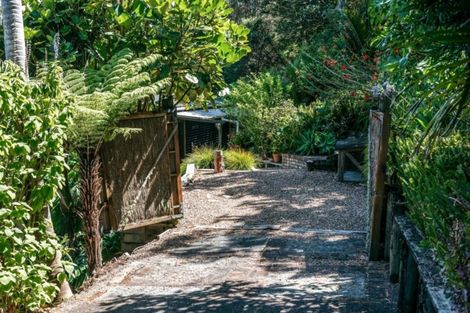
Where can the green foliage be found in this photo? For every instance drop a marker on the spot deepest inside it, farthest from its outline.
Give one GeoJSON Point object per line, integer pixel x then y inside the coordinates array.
{"type": "Point", "coordinates": [314, 142]}
{"type": "Point", "coordinates": [349, 113]}
{"type": "Point", "coordinates": [277, 29]}
{"type": "Point", "coordinates": [426, 48]}
{"type": "Point", "coordinates": [196, 39]}
{"type": "Point", "coordinates": [335, 59]}
{"type": "Point", "coordinates": [84, 27]}
{"type": "Point", "coordinates": [202, 157]}
{"type": "Point", "coordinates": [238, 159]}
{"type": "Point", "coordinates": [298, 20]}
{"type": "Point", "coordinates": [270, 123]}
{"type": "Point", "coordinates": [259, 104]}
{"type": "Point", "coordinates": [437, 194]}
{"type": "Point", "coordinates": [33, 121]}
{"type": "Point", "coordinates": [104, 96]}
{"type": "Point", "coordinates": [234, 159]}
{"type": "Point", "coordinates": [265, 51]}
{"type": "Point", "coordinates": [111, 245]}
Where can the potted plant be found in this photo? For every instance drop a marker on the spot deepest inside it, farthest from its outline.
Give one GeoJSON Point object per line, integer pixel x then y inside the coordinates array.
{"type": "Point", "coordinates": [276, 147]}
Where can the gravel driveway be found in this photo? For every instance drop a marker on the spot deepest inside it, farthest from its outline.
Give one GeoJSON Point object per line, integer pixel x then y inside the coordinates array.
{"type": "Point", "coordinates": [291, 198]}
{"type": "Point", "coordinates": [262, 241]}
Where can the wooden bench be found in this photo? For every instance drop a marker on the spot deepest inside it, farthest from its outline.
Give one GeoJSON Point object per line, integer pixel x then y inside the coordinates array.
{"type": "Point", "coordinates": [346, 148]}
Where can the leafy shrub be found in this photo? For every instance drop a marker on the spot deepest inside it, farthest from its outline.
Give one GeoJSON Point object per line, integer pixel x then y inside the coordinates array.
{"type": "Point", "coordinates": [33, 120]}
{"type": "Point", "coordinates": [349, 113]}
{"type": "Point", "coordinates": [265, 114]}
{"type": "Point", "coordinates": [111, 243]}
{"type": "Point", "coordinates": [237, 159]}
{"type": "Point", "coordinates": [313, 134]}
{"type": "Point", "coordinates": [336, 58]}
{"type": "Point", "coordinates": [438, 198]}
{"type": "Point", "coordinates": [316, 142]}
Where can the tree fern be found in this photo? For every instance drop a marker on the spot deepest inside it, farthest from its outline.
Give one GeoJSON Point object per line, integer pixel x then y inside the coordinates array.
{"type": "Point", "coordinates": [101, 98]}
{"type": "Point", "coordinates": [105, 95]}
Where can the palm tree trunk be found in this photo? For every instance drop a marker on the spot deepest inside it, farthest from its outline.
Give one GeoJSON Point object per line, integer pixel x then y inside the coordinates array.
{"type": "Point", "coordinates": [13, 31]}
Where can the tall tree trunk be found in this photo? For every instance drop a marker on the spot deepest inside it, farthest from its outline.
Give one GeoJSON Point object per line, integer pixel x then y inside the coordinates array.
{"type": "Point", "coordinates": [90, 190]}
{"type": "Point", "coordinates": [13, 31]}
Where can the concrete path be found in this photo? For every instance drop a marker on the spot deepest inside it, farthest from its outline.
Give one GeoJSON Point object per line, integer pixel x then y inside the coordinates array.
{"type": "Point", "coordinates": [247, 268]}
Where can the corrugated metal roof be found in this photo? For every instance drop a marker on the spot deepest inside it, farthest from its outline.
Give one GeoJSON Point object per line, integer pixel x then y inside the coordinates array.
{"type": "Point", "coordinates": [210, 114]}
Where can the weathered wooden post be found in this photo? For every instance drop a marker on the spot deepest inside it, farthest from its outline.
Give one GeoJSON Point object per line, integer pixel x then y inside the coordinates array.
{"type": "Point", "coordinates": [341, 167]}
{"type": "Point", "coordinates": [379, 132]}
{"type": "Point", "coordinates": [396, 247]}
{"type": "Point", "coordinates": [409, 278]}
{"type": "Point", "coordinates": [218, 161]}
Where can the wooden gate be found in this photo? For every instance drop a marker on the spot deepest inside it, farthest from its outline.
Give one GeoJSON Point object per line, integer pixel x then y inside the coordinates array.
{"type": "Point", "coordinates": [379, 132]}
{"type": "Point", "coordinates": [141, 178]}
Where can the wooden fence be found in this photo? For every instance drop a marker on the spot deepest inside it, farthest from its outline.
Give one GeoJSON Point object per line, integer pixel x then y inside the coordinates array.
{"type": "Point", "coordinates": [141, 179]}
{"type": "Point", "coordinates": [394, 238]}
{"type": "Point", "coordinates": [422, 286]}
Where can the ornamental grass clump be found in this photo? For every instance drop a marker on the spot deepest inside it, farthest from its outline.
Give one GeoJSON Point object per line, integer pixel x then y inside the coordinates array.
{"type": "Point", "coordinates": [234, 159]}
{"type": "Point", "coordinates": [238, 159]}
{"type": "Point", "coordinates": [202, 157]}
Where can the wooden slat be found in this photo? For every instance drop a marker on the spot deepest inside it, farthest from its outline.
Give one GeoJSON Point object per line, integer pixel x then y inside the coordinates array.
{"type": "Point", "coordinates": [341, 166]}
{"type": "Point", "coordinates": [143, 115]}
{"type": "Point", "coordinates": [152, 221]}
{"type": "Point", "coordinates": [354, 161]}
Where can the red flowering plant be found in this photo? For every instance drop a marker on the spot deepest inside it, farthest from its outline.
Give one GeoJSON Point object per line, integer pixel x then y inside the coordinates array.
{"type": "Point", "coordinates": [334, 70]}
{"type": "Point", "coordinates": [330, 63]}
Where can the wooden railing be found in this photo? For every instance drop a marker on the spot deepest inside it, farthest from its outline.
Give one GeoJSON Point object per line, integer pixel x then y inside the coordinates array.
{"type": "Point", "coordinates": [394, 238]}
{"type": "Point", "coordinates": [422, 287]}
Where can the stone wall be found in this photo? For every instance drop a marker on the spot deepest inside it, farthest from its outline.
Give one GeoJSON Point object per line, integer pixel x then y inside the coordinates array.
{"type": "Point", "coordinates": [294, 161]}
{"type": "Point", "coordinates": [300, 161]}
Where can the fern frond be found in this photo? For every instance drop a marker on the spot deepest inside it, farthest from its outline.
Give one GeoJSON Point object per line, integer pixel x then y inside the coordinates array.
{"type": "Point", "coordinates": [126, 132]}
{"type": "Point", "coordinates": [74, 82]}
{"type": "Point", "coordinates": [132, 83]}
{"type": "Point", "coordinates": [150, 61]}
{"type": "Point", "coordinates": [103, 96]}
{"type": "Point", "coordinates": [130, 98]}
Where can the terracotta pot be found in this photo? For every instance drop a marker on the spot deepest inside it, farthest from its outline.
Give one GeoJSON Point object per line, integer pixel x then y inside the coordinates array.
{"type": "Point", "coordinates": [277, 157]}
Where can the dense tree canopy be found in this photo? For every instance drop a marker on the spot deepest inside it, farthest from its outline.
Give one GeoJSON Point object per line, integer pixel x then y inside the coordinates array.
{"type": "Point", "coordinates": [196, 38]}
{"type": "Point", "coordinates": [426, 47]}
